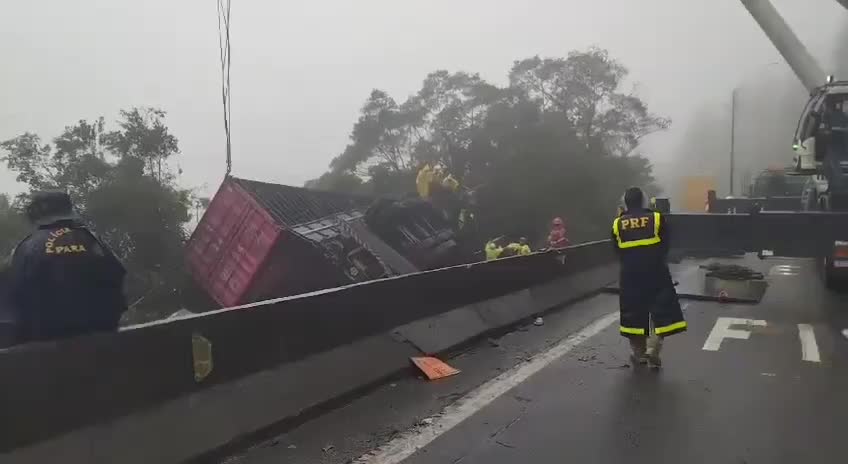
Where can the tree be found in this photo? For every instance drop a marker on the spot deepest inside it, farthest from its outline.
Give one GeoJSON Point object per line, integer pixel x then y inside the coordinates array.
{"type": "Point", "coordinates": [149, 235]}
{"type": "Point", "coordinates": [454, 107]}
{"type": "Point", "coordinates": [13, 227]}
{"type": "Point", "coordinates": [31, 160]}
{"type": "Point", "coordinates": [585, 88]}
{"type": "Point", "coordinates": [333, 181]}
{"type": "Point", "coordinates": [385, 134]}
{"type": "Point", "coordinates": [76, 163]}
{"type": "Point", "coordinates": [144, 135]}
{"type": "Point", "coordinates": [435, 125]}
{"type": "Point", "coordinates": [561, 139]}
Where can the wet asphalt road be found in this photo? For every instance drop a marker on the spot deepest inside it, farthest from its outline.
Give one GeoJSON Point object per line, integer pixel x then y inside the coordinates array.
{"type": "Point", "coordinates": [754, 400]}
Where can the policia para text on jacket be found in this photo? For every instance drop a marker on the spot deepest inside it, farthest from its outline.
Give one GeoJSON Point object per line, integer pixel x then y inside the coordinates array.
{"type": "Point", "coordinates": [64, 282]}
{"type": "Point", "coordinates": [648, 302]}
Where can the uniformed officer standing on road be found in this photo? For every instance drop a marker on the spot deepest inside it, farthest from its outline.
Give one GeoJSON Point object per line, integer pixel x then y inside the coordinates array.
{"type": "Point", "coordinates": [649, 306]}
{"type": "Point", "coordinates": [63, 281]}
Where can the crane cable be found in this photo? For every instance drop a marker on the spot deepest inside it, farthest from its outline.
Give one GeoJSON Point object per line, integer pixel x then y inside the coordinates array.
{"type": "Point", "coordinates": [224, 48]}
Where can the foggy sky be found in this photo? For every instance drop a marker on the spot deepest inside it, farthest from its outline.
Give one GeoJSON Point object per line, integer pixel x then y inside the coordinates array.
{"type": "Point", "coordinates": [301, 70]}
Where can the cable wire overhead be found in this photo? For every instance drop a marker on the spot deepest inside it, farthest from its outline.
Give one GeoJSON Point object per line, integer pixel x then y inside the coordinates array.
{"type": "Point", "coordinates": [224, 48]}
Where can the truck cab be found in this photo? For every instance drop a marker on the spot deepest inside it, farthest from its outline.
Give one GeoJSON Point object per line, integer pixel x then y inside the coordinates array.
{"type": "Point", "coordinates": [821, 129]}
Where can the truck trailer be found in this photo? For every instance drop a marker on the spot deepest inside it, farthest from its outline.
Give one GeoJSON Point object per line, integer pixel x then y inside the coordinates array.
{"type": "Point", "coordinates": [259, 240]}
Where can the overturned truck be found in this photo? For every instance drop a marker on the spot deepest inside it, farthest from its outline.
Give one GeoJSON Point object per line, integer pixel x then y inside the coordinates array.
{"type": "Point", "coordinates": [259, 240]}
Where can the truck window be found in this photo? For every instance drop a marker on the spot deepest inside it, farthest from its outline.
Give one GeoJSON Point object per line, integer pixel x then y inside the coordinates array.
{"type": "Point", "coordinates": [810, 126]}
{"type": "Point", "coordinates": [803, 122]}
{"type": "Point", "coordinates": [838, 111]}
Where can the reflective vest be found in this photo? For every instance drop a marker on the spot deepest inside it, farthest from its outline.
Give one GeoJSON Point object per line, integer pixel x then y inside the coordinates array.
{"type": "Point", "coordinates": [493, 251]}
{"type": "Point", "coordinates": [636, 230]}
{"type": "Point", "coordinates": [517, 249]}
{"type": "Point", "coordinates": [422, 181]}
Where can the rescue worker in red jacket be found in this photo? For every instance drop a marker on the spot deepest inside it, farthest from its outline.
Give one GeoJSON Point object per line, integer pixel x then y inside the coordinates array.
{"type": "Point", "coordinates": [648, 302]}
{"type": "Point", "coordinates": [557, 238]}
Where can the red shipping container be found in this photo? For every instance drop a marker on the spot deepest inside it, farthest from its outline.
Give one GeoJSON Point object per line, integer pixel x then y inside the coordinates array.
{"type": "Point", "coordinates": [230, 244]}
{"type": "Point", "coordinates": [242, 249]}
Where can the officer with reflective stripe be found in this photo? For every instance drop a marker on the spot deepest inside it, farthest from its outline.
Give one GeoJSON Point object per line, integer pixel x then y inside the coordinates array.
{"type": "Point", "coordinates": [649, 306]}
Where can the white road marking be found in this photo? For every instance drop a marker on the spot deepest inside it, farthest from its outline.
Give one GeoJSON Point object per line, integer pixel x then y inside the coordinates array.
{"type": "Point", "coordinates": [809, 347]}
{"type": "Point", "coordinates": [414, 439]}
{"type": "Point", "coordinates": [785, 270]}
{"type": "Point", "coordinates": [722, 330]}
{"type": "Point", "coordinates": [845, 333]}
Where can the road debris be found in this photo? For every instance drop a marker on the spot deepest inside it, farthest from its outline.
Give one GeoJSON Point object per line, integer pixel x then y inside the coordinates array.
{"type": "Point", "coordinates": [433, 368]}
{"type": "Point", "coordinates": [731, 272]}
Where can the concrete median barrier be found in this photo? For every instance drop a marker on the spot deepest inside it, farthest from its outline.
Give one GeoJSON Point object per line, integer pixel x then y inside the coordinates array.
{"type": "Point", "coordinates": [142, 395]}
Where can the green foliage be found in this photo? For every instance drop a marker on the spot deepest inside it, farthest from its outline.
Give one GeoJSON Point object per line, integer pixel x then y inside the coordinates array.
{"type": "Point", "coordinates": [585, 88]}
{"type": "Point", "coordinates": [122, 186]}
{"type": "Point", "coordinates": [13, 227]}
{"type": "Point", "coordinates": [338, 182]}
{"type": "Point", "coordinates": [144, 136]}
{"type": "Point", "coordinates": [559, 140]}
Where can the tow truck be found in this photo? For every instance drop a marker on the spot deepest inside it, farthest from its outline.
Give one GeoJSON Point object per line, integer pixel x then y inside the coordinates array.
{"type": "Point", "coordinates": [820, 150]}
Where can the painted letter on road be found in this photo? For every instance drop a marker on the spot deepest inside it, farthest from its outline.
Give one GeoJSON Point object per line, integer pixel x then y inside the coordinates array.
{"type": "Point", "coordinates": [809, 347]}
{"type": "Point", "coordinates": [722, 330]}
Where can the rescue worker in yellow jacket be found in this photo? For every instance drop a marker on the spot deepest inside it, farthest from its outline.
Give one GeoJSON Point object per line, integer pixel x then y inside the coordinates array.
{"type": "Point", "coordinates": [525, 248]}
{"type": "Point", "coordinates": [520, 248]}
{"type": "Point", "coordinates": [423, 180]}
{"type": "Point", "coordinates": [493, 250]}
{"type": "Point", "coordinates": [648, 301]}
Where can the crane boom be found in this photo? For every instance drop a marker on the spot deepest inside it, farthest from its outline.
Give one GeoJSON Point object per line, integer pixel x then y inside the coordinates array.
{"type": "Point", "coordinates": [805, 67]}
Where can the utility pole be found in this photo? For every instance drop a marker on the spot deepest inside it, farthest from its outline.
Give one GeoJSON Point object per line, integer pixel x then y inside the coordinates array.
{"type": "Point", "coordinates": [732, 136]}
{"type": "Point", "coordinates": [733, 97]}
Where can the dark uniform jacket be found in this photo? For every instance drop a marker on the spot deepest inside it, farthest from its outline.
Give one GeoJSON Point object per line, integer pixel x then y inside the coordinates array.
{"type": "Point", "coordinates": [641, 238]}
{"type": "Point", "coordinates": [64, 282]}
